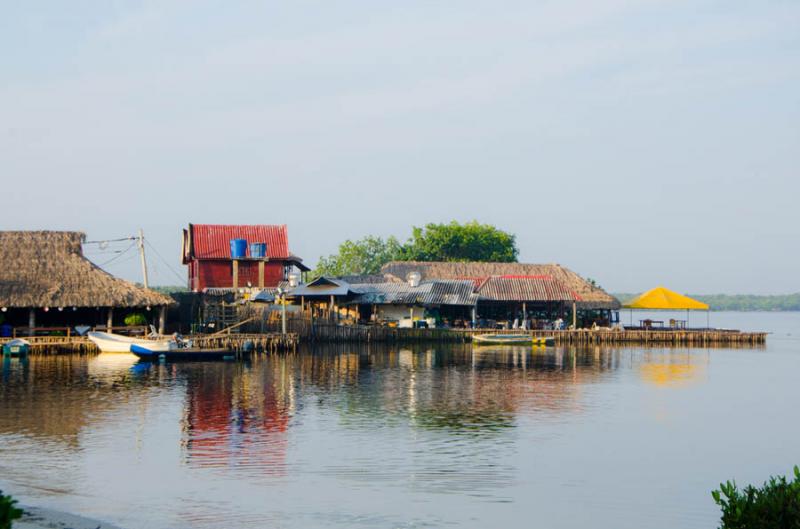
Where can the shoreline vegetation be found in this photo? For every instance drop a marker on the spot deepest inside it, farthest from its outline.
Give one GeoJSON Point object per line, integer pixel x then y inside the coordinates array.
{"type": "Point", "coordinates": [739, 302]}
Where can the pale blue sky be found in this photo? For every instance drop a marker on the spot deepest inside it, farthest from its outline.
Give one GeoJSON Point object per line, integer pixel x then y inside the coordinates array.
{"type": "Point", "coordinates": [636, 142]}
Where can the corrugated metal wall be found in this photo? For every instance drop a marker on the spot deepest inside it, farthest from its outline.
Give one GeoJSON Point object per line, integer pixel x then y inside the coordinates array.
{"type": "Point", "coordinates": [219, 274]}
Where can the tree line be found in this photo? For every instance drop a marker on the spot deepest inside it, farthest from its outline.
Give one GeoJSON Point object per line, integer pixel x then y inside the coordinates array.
{"type": "Point", "coordinates": [453, 241]}
{"type": "Point", "coordinates": [740, 302]}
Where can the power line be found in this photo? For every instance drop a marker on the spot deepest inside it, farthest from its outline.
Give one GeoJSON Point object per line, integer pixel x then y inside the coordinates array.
{"type": "Point", "coordinates": [179, 276]}
{"type": "Point", "coordinates": [110, 240]}
{"type": "Point", "coordinates": [120, 254]}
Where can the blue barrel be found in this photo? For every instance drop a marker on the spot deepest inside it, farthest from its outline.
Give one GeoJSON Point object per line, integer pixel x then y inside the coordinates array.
{"type": "Point", "coordinates": [238, 248]}
{"type": "Point", "coordinates": [258, 250]}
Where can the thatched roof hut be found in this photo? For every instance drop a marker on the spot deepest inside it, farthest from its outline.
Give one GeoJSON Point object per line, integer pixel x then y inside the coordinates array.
{"type": "Point", "coordinates": [586, 295]}
{"type": "Point", "coordinates": [48, 269]}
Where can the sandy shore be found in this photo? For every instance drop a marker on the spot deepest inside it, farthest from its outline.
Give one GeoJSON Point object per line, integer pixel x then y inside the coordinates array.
{"type": "Point", "coordinates": [41, 518]}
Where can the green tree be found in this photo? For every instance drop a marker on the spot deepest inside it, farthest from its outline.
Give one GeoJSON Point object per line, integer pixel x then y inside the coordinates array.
{"type": "Point", "coordinates": [361, 257]}
{"type": "Point", "coordinates": [460, 242]}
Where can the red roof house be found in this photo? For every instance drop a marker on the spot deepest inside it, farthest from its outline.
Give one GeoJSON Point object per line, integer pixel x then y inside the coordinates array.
{"type": "Point", "coordinates": [207, 253]}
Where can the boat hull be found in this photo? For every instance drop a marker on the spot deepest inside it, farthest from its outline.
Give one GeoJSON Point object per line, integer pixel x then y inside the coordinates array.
{"type": "Point", "coordinates": [511, 339]}
{"type": "Point", "coordinates": [185, 354]}
{"type": "Point", "coordinates": [115, 343]}
{"type": "Point", "coordinates": [16, 348]}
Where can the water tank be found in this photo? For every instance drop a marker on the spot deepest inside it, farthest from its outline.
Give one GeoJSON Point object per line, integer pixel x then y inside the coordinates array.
{"type": "Point", "coordinates": [258, 250]}
{"type": "Point", "coordinates": [238, 248]}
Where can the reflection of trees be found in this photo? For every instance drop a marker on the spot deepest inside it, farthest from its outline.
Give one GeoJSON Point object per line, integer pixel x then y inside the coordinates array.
{"type": "Point", "coordinates": [58, 396]}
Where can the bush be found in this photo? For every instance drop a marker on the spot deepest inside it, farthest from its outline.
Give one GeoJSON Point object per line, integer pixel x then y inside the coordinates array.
{"type": "Point", "coordinates": [776, 505]}
{"type": "Point", "coordinates": [137, 318]}
{"type": "Point", "coordinates": [8, 513]}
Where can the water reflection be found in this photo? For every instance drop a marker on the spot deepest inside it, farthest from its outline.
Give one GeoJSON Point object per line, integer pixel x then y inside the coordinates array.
{"type": "Point", "coordinates": [673, 367]}
{"type": "Point", "coordinates": [238, 415]}
{"type": "Point", "coordinates": [400, 420]}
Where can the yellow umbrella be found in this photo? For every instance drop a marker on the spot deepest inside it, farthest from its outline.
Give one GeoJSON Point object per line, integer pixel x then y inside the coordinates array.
{"type": "Point", "coordinates": [661, 298]}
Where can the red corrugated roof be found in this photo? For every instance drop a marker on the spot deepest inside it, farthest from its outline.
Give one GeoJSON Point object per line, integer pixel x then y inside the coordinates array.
{"type": "Point", "coordinates": [213, 241]}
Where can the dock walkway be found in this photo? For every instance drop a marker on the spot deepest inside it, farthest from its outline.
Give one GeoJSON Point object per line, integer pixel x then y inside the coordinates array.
{"type": "Point", "coordinates": [277, 342]}
{"type": "Point", "coordinates": [261, 342]}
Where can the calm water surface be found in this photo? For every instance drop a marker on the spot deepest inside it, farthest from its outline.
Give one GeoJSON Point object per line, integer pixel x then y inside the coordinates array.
{"type": "Point", "coordinates": [405, 436]}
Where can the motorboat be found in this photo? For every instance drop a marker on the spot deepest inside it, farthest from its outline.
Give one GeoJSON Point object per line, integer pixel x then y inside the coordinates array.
{"type": "Point", "coordinates": [144, 352]}
{"type": "Point", "coordinates": [16, 347]}
{"type": "Point", "coordinates": [511, 339]}
{"type": "Point", "coordinates": [116, 343]}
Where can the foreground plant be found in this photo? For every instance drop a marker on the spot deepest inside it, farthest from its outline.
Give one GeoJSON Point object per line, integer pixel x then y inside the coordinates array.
{"type": "Point", "coordinates": [8, 513]}
{"type": "Point", "coordinates": [775, 505]}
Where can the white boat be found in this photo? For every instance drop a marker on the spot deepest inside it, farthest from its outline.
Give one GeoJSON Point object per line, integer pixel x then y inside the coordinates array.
{"type": "Point", "coordinates": [116, 343]}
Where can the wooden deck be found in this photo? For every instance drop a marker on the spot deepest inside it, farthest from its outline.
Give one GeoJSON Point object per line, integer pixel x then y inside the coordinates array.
{"type": "Point", "coordinates": [266, 343]}
{"type": "Point", "coordinates": [698, 337]}
{"type": "Point", "coordinates": [276, 342]}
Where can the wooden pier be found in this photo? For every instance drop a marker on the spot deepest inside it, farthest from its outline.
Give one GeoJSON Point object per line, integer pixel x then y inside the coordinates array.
{"type": "Point", "coordinates": [327, 333]}
{"type": "Point", "coordinates": [239, 343]}
{"type": "Point", "coordinates": [698, 337]}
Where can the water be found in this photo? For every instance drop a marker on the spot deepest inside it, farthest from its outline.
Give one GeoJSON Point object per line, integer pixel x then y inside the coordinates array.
{"type": "Point", "coordinates": [405, 437]}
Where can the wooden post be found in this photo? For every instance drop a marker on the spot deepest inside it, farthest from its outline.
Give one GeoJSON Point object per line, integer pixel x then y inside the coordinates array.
{"type": "Point", "coordinates": [235, 273]}
{"type": "Point", "coordinates": [110, 319]}
{"type": "Point", "coordinates": [330, 309]}
{"type": "Point", "coordinates": [261, 274]}
{"type": "Point", "coordinates": [31, 321]}
{"type": "Point", "coordinates": [574, 315]}
{"type": "Point", "coordinates": [162, 319]}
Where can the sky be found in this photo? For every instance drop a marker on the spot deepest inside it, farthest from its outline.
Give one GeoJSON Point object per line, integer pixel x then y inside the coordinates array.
{"type": "Point", "coordinates": [636, 142]}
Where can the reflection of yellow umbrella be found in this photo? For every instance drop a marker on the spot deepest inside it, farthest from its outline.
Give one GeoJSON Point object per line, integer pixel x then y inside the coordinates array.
{"type": "Point", "coordinates": [661, 298]}
{"type": "Point", "coordinates": [668, 374]}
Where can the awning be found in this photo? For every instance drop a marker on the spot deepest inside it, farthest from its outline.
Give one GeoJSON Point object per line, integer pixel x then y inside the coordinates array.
{"type": "Point", "coordinates": [661, 298]}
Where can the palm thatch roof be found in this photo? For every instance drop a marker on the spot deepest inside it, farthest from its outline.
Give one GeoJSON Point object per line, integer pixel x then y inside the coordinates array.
{"type": "Point", "coordinates": [48, 269]}
{"type": "Point", "coordinates": [588, 296]}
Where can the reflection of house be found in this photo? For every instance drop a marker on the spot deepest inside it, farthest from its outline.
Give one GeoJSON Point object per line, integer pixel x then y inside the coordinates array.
{"type": "Point", "coordinates": [207, 252]}
{"type": "Point", "coordinates": [238, 417]}
{"type": "Point", "coordinates": [46, 281]}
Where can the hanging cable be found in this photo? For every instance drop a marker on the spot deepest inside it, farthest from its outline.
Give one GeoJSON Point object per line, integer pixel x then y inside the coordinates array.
{"type": "Point", "coordinates": [179, 276]}
{"type": "Point", "coordinates": [120, 254]}
{"type": "Point", "coordinates": [110, 240]}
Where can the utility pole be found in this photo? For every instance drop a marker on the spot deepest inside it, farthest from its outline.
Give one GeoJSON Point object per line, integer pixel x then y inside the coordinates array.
{"type": "Point", "coordinates": [141, 255]}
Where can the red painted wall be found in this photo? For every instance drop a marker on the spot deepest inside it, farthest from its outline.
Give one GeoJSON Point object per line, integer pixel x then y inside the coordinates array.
{"type": "Point", "coordinates": [219, 274]}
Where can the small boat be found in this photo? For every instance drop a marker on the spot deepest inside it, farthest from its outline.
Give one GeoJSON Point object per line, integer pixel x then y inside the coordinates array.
{"type": "Point", "coordinates": [511, 339]}
{"type": "Point", "coordinates": [16, 347]}
{"type": "Point", "coordinates": [116, 343]}
{"type": "Point", "coordinates": [182, 353]}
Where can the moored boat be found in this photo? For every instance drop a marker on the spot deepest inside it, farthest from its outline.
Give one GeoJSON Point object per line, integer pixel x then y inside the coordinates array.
{"type": "Point", "coordinates": [511, 339]}
{"type": "Point", "coordinates": [183, 353]}
{"type": "Point", "coordinates": [116, 343]}
{"type": "Point", "coordinates": [16, 347]}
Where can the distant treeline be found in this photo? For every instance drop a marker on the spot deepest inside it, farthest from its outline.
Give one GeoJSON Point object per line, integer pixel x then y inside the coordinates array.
{"type": "Point", "coordinates": [749, 302]}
